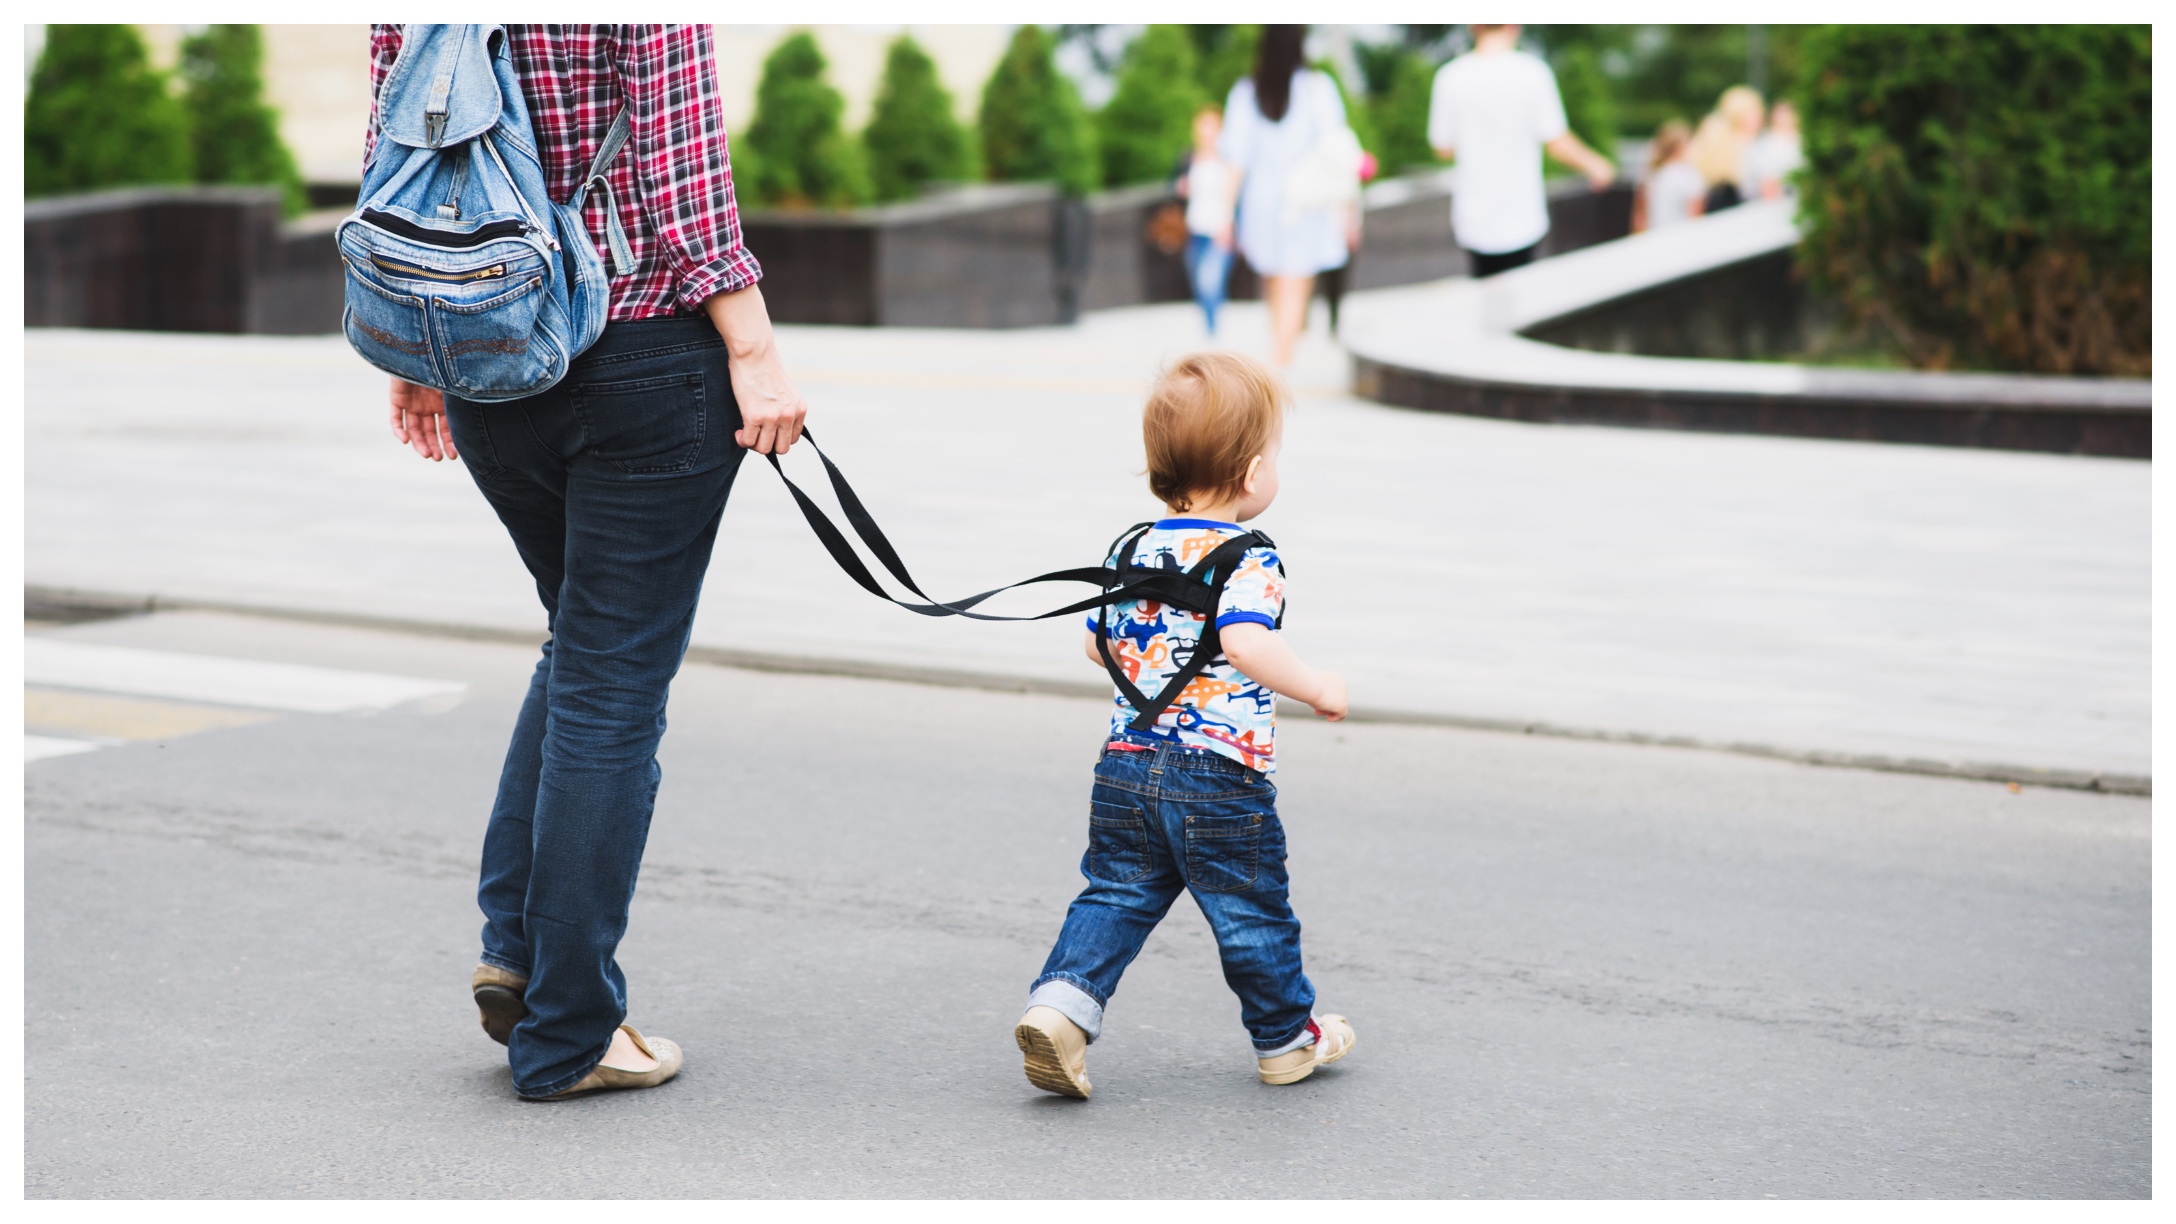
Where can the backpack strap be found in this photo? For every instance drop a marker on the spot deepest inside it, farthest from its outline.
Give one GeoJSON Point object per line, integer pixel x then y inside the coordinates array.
{"type": "Point", "coordinates": [621, 255]}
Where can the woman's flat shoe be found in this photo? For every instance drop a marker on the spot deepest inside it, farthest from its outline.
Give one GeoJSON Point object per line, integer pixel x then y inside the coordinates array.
{"type": "Point", "coordinates": [498, 999]}
{"type": "Point", "coordinates": [603, 1078]}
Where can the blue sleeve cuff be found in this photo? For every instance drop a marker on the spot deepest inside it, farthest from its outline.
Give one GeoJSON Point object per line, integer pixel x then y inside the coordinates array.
{"type": "Point", "coordinates": [1229, 619]}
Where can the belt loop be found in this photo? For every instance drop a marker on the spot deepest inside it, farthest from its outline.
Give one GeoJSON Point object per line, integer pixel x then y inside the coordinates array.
{"type": "Point", "coordinates": [1156, 766]}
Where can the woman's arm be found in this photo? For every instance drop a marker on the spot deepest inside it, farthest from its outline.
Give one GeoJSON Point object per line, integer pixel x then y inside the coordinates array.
{"type": "Point", "coordinates": [771, 411]}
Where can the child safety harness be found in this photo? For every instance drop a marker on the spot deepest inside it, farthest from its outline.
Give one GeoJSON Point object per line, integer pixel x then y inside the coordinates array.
{"type": "Point", "coordinates": [1198, 589]}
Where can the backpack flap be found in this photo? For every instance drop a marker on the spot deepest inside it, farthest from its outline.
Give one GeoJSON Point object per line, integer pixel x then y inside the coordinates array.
{"type": "Point", "coordinates": [442, 90]}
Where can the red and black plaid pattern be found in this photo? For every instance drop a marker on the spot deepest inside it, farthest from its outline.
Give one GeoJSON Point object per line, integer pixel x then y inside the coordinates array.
{"type": "Point", "coordinates": [673, 183]}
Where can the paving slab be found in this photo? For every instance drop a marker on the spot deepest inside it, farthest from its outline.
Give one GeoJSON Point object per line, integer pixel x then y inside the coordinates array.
{"type": "Point", "coordinates": [1899, 602]}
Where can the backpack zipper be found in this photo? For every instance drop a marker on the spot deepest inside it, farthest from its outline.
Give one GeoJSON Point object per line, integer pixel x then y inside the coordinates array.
{"type": "Point", "coordinates": [420, 273]}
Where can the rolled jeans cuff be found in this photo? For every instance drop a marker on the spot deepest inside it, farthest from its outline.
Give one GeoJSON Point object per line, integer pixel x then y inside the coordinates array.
{"type": "Point", "coordinates": [1305, 1037]}
{"type": "Point", "coordinates": [1071, 1002]}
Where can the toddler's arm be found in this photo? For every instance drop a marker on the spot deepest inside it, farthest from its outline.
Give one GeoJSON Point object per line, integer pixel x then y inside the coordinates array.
{"type": "Point", "coordinates": [1259, 652]}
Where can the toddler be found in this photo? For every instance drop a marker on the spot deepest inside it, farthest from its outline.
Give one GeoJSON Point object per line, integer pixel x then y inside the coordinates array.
{"type": "Point", "coordinates": [1210, 188]}
{"type": "Point", "coordinates": [1188, 805]}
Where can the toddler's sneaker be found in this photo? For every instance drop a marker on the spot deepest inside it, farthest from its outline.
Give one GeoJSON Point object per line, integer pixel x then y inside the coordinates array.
{"type": "Point", "coordinates": [1333, 1040]}
{"type": "Point", "coordinates": [1056, 1050]}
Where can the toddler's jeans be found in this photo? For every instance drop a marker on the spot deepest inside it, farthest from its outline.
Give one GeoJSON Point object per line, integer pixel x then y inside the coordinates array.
{"type": "Point", "coordinates": [1166, 819]}
{"type": "Point", "coordinates": [1207, 265]}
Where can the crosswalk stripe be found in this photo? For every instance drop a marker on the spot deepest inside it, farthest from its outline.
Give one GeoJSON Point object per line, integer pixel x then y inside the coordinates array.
{"type": "Point", "coordinates": [224, 681]}
{"type": "Point", "coordinates": [44, 747]}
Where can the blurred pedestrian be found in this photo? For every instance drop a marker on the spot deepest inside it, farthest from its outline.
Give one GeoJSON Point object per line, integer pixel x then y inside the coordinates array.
{"type": "Point", "coordinates": [1716, 153]}
{"type": "Point", "coordinates": [1673, 191]}
{"type": "Point", "coordinates": [611, 485]}
{"type": "Point", "coordinates": [1720, 147]}
{"type": "Point", "coordinates": [1273, 121]}
{"type": "Point", "coordinates": [1775, 155]}
{"type": "Point", "coordinates": [1211, 189]}
{"type": "Point", "coordinates": [1495, 109]}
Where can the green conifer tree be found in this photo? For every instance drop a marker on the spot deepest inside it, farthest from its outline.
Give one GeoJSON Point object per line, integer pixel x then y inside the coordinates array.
{"type": "Point", "coordinates": [235, 136]}
{"type": "Point", "coordinates": [802, 157]}
{"type": "Point", "coordinates": [913, 138]}
{"type": "Point", "coordinates": [1400, 112]}
{"type": "Point", "coordinates": [1225, 54]}
{"type": "Point", "coordinates": [1589, 108]}
{"type": "Point", "coordinates": [1032, 124]}
{"type": "Point", "coordinates": [1149, 120]}
{"type": "Point", "coordinates": [99, 116]}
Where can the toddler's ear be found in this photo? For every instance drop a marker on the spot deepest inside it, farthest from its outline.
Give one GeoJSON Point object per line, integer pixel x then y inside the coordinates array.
{"type": "Point", "coordinates": [1254, 475]}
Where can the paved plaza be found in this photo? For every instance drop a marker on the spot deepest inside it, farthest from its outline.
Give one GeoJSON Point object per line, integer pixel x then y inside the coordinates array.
{"type": "Point", "coordinates": [1897, 602]}
{"type": "Point", "coordinates": [1577, 967]}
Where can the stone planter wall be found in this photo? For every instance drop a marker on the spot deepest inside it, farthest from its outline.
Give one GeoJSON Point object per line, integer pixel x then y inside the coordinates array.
{"type": "Point", "coordinates": [208, 259]}
{"type": "Point", "coordinates": [221, 259]}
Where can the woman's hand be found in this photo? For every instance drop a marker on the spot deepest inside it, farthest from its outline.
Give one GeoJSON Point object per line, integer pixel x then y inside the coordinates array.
{"type": "Point", "coordinates": [419, 420]}
{"type": "Point", "coordinates": [771, 411]}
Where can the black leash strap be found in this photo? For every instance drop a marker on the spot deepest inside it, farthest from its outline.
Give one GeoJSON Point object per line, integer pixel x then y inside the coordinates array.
{"type": "Point", "coordinates": [1198, 589]}
{"type": "Point", "coordinates": [1159, 585]}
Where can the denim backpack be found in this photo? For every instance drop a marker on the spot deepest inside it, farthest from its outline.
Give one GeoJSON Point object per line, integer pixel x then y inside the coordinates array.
{"type": "Point", "coordinates": [462, 274]}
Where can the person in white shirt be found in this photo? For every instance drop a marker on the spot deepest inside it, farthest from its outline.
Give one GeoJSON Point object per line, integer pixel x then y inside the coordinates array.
{"type": "Point", "coordinates": [1674, 191]}
{"type": "Point", "coordinates": [1211, 191]}
{"type": "Point", "coordinates": [1774, 155]}
{"type": "Point", "coordinates": [1495, 109]}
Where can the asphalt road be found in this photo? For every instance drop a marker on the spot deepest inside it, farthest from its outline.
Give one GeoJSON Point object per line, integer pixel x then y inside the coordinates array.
{"type": "Point", "coordinates": [1576, 969]}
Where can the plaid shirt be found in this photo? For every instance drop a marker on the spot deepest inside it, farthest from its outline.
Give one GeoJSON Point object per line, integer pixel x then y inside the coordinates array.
{"type": "Point", "coordinates": [672, 183]}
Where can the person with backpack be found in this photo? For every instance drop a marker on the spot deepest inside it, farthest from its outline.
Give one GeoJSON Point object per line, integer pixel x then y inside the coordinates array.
{"type": "Point", "coordinates": [1183, 798]}
{"type": "Point", "coordinates": [602, 419]}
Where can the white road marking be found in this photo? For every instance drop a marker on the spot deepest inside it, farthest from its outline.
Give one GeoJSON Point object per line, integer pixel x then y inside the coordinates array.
{"type": "Point", "coordinates": [43, 747]}
{"type": "Point", "coordinates": [241, 682]}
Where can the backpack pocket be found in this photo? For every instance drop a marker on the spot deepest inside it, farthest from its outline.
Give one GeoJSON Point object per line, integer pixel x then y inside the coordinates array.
{"type": "Point", "coordinates": [390, 330]}
{"type": "Point", "coordinates": [469, 320]}
{"type": "Point", "coordinates": [492, 346]}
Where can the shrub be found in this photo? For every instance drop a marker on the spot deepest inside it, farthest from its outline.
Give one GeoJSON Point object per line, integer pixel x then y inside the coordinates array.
{"type": "Point", "coordinates": [98, 116]}
{"type": "Point", "coordinates": [1148, 122]}
{"type": "Point", "coordinates": [913, 137]}
{"type": "Point", "coordinates": [1032, 124]}
{"type": "Point", "coordinates": [1984, 193]}
{"type": "Point", "coordinates": [234, 135]}
{"type": "Point", "coordinates": [1225, 53]}
{"type": "Point", "coordinates": [1399, 110]}
{"type": "Point", "coordinates": [1588, 107]}
{"type": "Point", "coordinates": [801, 158]}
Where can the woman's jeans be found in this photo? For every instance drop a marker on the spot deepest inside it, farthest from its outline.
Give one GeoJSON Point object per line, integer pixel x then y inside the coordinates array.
{"type": "Point", "coordinates": [1207, 264]}
{"type": "Point", "coordinates": [1166, 819]}
{"type": "Point", "coordinates": [611, 484]}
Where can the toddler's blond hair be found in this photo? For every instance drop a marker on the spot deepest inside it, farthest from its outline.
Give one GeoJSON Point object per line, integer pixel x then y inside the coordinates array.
{"type": "Point", "coordinates": [1207, 417]}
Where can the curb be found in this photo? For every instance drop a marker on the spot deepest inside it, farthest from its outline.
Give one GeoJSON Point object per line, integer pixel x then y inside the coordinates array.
{"type": "Point", "coordinates": [65, 604]}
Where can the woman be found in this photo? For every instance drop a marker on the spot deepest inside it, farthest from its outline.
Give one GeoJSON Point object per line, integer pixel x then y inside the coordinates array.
{"type": "Point", "coordinates": [1715, 152]}
{"type": "Point", "coordinates": [611, 485]}
{"type": "Point", "coordinates": [1272, 123]}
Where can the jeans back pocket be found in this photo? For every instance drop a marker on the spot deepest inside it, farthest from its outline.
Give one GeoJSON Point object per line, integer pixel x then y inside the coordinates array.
{"type": "Point", "coordinates": [1118, 849]}
{"type": "Point", "coordinates": [1223, 853]}
{"type": "Point", "coordinates": [644, 426]}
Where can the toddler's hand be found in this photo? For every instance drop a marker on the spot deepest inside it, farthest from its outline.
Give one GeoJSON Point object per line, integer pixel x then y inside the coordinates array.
{"type": "Point", "coordinates": [1330, 702]}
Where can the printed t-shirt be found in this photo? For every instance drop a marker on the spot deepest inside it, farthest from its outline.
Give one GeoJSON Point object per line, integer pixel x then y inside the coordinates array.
{"type": "Point", "coordinates": [1220, 709]}
{"type": "Point", "coordinates": [1494, 112]}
